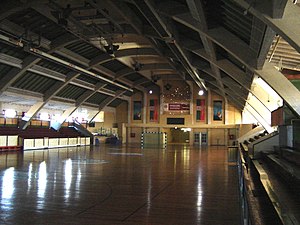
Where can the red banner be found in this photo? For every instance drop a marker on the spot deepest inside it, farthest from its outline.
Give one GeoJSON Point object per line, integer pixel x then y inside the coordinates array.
{"type": "Point", "coordinates": [153, 110]}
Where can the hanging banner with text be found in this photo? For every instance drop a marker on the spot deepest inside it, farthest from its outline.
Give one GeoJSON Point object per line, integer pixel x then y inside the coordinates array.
{"type": "Point", "coordinates": [176, 107]}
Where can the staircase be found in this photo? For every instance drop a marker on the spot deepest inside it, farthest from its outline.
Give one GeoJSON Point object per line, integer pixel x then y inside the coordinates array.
{"type": "Point", "coordinates": [82, 129]}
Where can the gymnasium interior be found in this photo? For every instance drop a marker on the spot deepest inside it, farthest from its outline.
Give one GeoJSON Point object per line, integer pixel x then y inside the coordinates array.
{"type": "Point", "coordinates": [150, 112]}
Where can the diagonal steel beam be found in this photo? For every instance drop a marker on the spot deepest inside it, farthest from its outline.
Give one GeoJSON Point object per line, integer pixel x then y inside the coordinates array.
{"type": "Point", "coordinates": [17, 31]}
{"type": "Point", "coordinates": [124, 53]}
{"type": "Point", "coordinates": [15, 73]}
{"type": "Point", "coordinates": [223, 38]}
{"type": "Point", "coordinates": [284, 25]}
{"type": "Point", "coordinates": [106, 102]}
{"type": "Point", "coordinates": [284, 88]}
{"type": "Point", "coordinates": [87, 94]}
{"type": "Point", "coordinates": [196, 9]}
{"type": "Point", "coordinates": [146, 67]}
{"type": "Point", "coordinates": [140, 28]}
{"type": "Point", "coordinates": [30, 61]}
{"type": "Point", "coordinates": [97, 5]}
{"type": "Point", "coordinates": [227, 67]}
{"type": "Point", "coordinates": [165, 31]}
{"type": "Point", "coordinates": [234, 99]}
{"type": "Point", "coordinates": [82, 33]}
{"type": "Point", "coordinates": [110, 99]}
{"type": "Point", "coordinates": [10, 7]}
{"type": "Point", "coordinates": [141, 81]}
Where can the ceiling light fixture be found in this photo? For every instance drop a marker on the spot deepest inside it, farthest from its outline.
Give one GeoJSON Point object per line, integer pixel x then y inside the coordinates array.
{"type": "Point", "coordinates": [201, 92]}
{"type": "Point", "coordinates": [137, 66]}
{"type": "Point", "coordinates": [155, 78]}
{"type": "Point", "coordinates": [247, 9]}
{"type": "Point", "coordinates": [168, 86]}
{"type": "Point", "coordinates": [111, 49]}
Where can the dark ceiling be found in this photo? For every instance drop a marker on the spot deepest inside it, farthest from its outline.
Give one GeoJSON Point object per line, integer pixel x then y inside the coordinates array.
{"type": "Point", "coordinates": [86, 51]}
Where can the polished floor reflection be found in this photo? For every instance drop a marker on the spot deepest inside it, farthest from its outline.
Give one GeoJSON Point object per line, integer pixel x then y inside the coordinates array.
{"type": "Point", "coordinates": [119, 185]}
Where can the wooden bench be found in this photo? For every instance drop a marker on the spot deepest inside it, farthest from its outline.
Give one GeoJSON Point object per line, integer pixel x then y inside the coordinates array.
{"type": "Point", "coordinates": [10, 148]}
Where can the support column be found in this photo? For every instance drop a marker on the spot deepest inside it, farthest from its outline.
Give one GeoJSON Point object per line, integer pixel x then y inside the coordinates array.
{"type": "Point", "coordinates": [106, 102]}
{"type": "Point", "coordinates": [226, 136]}
{"type": "Point", "coordinates": [208, 136]}
{"type": "Point", "coordinates": [145, 109]}
{"type": "Point", "coordinates": [209, 110]}
{"type": "Point", "coordinates": [226, 111]}
{"type": "Point", "coordinates": [124, 133]}
{"type": "Point", "coordinates": [129, 111]}
{"type": "Point", "coordinates": [57, 124]}
{"type": "Point", "coordinates": [94, 116]}
{"type": "Point", "coordinates": [30, 114]}
{"type": "Point", "coordinates": [191, 137]}
{"type": "Point", "coordinates": [191, 101]}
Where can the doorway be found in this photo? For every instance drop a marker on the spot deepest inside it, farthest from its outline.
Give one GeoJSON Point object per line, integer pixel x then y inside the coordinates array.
{"type": "Point", "coordinates": [200, 138]}
{"type": "Point", "coordinates": [180, 136]}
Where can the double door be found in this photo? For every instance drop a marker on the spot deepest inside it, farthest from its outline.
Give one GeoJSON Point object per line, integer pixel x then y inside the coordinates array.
{"type": "Point", "coordinates": [200, 138]}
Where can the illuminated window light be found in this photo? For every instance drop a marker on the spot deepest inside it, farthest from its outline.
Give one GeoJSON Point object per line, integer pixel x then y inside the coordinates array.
{"type": "Point", "coordinates": [186, 129]}
{"type": "Point", "coordinates": [11, 113]}
{"type": "Point", "coordinates": [100, 117]}
{"type": "Point", "coordinates": [44, 116]}
{"type": "Point", "coordinates": [267, 88]}
{"type": "Point", "coordinates": [56, 117]}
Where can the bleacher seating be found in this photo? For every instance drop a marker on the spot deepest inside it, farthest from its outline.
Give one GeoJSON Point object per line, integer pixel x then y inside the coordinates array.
{"type": "Point", "coordinates": [246, 142]}
{"type": "Point", "coordinates": [278, 175]}
{"type": "Point", "coordinates": [40, 132]}
{"type": "Point", "coordinates": [69, 132]}
{"type": "Point", "coordinates": [288, 171]}
{"type": "Point", "coordinates": [290, 154]}
{"type": "Point", "coordinates": [251, 139]}
{"type": "Point", "coordinates": [274, 176]}
{"type": "Point", "coordinates": [9, 130]}
{"type": "Point", "coordinates": [37, 132]}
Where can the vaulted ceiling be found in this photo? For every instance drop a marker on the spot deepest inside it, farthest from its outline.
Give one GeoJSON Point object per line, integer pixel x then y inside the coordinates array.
{"type": "Point", "coordinates": [100, 52]}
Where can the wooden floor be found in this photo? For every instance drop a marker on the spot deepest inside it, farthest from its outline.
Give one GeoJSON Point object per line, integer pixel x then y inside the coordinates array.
{"type": "Point", "coordinates": [119, 185]}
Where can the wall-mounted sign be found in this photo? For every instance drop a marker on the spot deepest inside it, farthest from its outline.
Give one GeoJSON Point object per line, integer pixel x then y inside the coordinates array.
{"type": "Point", "coordinates": [176, 121]}
{"type": "Point", "coordinates": [177, 107]}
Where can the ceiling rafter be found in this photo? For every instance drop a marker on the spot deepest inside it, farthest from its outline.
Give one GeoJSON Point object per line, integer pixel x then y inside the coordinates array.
{"type": "Point", "coordinates": [68, 53]}
{"type": "Point", "coordinates": [166, 31]}
{"type": "Point", "coordinates": [177, 31]}
{"type": "Point", "coordinates": [282, 24]}
{"type": "Point", "coordinates": [10, 7]}
{"type": "Point", "coordinates": [223, 38]}
{"type": "Point", "coordinates": [197, 11]}
{"type": "Point", "coordinates": [141, 29]}
{"type": "Point", "coordinates": [227, 67]}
